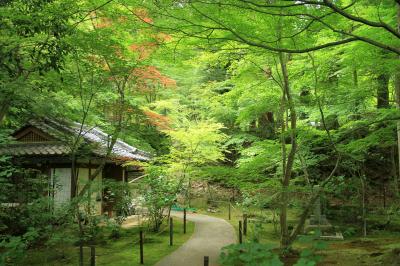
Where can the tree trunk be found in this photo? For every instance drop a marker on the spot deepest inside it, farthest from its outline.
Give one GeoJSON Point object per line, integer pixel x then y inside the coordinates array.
{"type": "Point", "coordinates": [3, 111]}
{"type": "Point", "coordinates": [357, 105]}
{"type": "Point", "coordinates": [397, 89]}
{"type": "Point", "coordinates": [363, 205]}
{"type": "Point", "coordinates": [393, 171]}
{"type": "Point", "coordinates": [397, 92]}
{"type": "Point", "coordinates": [382, 91]}
{"type": "Point", "coordinates": [285, 237]}
{"type": "Point", "coordinates": [188, 193]}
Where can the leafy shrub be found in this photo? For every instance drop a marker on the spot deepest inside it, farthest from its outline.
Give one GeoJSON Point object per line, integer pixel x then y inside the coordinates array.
{"type": "Point", "coordinates": [308, 256]}
{"type": "Point", "coordinates": [14, 247]}
{"type": "Point", "coordinates": [349, 231]}
{"type": "Point", "coordinates": [120, 195]}
{"type": "Point", "coordinates": [248, 254]}
{"type": "Point", "coordinates": [159, 194]}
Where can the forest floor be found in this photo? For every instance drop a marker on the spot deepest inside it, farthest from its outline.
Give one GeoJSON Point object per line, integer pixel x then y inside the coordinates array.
{"type": "Point", "coordinates": [378, 248]}
{"type": "Point", "coordinates": [117, 252]}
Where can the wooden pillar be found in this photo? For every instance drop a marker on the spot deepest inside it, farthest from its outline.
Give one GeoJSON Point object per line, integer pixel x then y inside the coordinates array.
{"type": "Point", "coordinates": [80, 253]}
{"type": "Point", "coordinates": [240, 233]}
{"type": "Point", "coordinates": [141, 246]}
{"type": "Point", "coordinates": [92, 256]}
{"type": "Point", "coordinates": [73, 181]}
{"type": "Point", "coordinates": [184, 220]}
{"type": "Point", "coordinates": [206, 260]}
{"type": "Point", "coordinates": [171, 232]}
{"type": "Point", "coordinates": [245, 224]}
{"type": "Point", "coordinates": [89, 190]}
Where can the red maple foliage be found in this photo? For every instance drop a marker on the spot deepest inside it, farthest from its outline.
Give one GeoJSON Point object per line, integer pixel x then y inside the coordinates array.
{"type": "Point", "coordinates": [122, 19]}
{"type": "Point", "coordinates": [149, 76]}
{"type": "Point", "coordinates": [143, 15]}
{"type": "Point", "coordinates": [103, 22]}
{"type": "Point", "coordinates": [144, 49]}
{"type": "Point", "coordinates": [162, 37]}
{"type": "Point", "coordinates": [157, 120]}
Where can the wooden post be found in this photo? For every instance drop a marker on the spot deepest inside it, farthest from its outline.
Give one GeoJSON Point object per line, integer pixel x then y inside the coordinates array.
{"type": "Point", "coordinates": [206, 260]}
{"type": "Point", "coordinates": [240, 233]}
{"type": "Point", "coordinates": [171, 232]}
{"type": "Point", "coordinates": [92, 256]}
{"type": "Point", "coordinates": [229, 210]}
{"type": "Point", "coordinates": [184, 220]}
{"type": "Point", "coordinates": [80, 254]}
{"type": "Point", "coordinates": [384, 196]}
{"type": "Point", "coordinates": [245, 224]}
{"type": "Point", "coordinates": [141, 247]}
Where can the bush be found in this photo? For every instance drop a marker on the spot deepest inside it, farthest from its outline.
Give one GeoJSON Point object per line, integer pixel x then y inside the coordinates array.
{"type": "Point", "coordinates": [248, 254]}
{"type": "Point", "coordinates": [14, 247]}
{"type": "Point", "coordinates": [159, 195]}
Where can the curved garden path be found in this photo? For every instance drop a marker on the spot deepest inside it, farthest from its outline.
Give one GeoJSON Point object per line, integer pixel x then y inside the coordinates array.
{"type": "Point", "coordinates": [209, 236]}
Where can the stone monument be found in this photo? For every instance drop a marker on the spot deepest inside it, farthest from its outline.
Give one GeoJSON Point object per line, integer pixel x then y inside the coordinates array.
{"type": "Point", "coordinates": [318, 221]}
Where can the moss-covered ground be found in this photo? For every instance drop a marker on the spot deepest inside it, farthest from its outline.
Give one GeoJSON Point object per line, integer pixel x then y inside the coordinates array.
{"type": "Point", "coordinates": [116, 252]}
{"type": "Point", "coordinates": [378, 248]}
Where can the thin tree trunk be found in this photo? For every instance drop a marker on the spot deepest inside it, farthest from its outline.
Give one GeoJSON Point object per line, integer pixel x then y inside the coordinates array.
{"type": "Point", "coordinates": [291, 156]}
{"type": "Point", "coordinates": [316, 194]}
{"type": "Point", "coordinates": [81, 236]}
{"type": "Point", "coordinates": [188, 191]}
{"type": "Point", "coordinates": [355, 84]}
{"type": "Point", "coordinates": [283, 208]}
{"type": "Point", "coordinates": [363, 205]}
{"type": "Point", "coordinates": [397, 92]}
{"type": "Point", "coordinates": [3, 110]}
{"type": "Point", "coordinates": [393, 171]}
{"type": "Point", "coordinates": [382, 91]}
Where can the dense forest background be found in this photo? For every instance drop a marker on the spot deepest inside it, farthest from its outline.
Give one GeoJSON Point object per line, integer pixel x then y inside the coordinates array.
{"type": "Point", "coordinates": [266, 98]}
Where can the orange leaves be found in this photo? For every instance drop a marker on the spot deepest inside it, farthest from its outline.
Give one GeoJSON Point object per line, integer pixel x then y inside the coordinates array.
{"type": "Point", "coordinates": [103, 22]}
{"type": "Point", "coordinates": [122, 19]}
{"type": "Point", "coordinates": [162, 37]}
{"type": "Point", "coordinates": [143, 15]}
{"type": "Point", "coordinates": [157, 120]}
{"type": "Point", "coordinates": [144, 50]}
{"type": "Point", "coordinates": [151, 76]}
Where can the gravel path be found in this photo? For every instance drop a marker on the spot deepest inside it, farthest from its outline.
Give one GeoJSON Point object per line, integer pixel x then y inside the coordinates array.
{"type": "Point", "coordinates": [209, 236]}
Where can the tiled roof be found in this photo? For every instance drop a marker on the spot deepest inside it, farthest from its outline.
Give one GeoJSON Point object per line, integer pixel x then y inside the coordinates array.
{"type": "Point", "coordinates": [34, 149]}
{"type": "Point", "coordinates": [61, 131]}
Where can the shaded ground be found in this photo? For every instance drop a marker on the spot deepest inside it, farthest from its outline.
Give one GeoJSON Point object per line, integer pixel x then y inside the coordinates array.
{"type": "Point", "coordinates": [379, 248]}
{"type": "Point", "coordinates": [116, 252]}
{"type": "Point", "coordinates": [376, 250]}
{"type": "Point", "coordinates": [210, 235]}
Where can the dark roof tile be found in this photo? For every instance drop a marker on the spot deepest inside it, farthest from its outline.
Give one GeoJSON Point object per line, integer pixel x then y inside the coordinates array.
{"type": "Point", "coordinates": [62, 131]}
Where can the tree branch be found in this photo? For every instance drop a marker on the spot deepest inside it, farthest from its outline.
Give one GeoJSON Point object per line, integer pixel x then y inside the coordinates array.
{"type": "Point", "coordinates": [240, 38]}
{"type": "Point", "coordinates": [364, 21]}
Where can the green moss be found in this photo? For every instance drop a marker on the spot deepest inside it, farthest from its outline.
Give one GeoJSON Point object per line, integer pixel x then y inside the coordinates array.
{"type": "Point", "coordinates": [375, 249]}
{"type": "Point", "coordinates": [119, 252]}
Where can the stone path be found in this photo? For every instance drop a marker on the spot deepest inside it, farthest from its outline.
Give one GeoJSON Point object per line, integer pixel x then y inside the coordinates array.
{"type": "Point", "coordinates": [209, 236]}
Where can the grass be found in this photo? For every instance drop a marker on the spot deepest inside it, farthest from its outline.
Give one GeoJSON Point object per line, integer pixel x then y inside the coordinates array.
{"type": "Point", "coordinates": [118, 252]}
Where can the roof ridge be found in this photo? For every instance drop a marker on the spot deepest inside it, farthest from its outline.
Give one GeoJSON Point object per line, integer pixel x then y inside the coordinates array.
{"type": "Point", "coordinates": [93, 135]}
